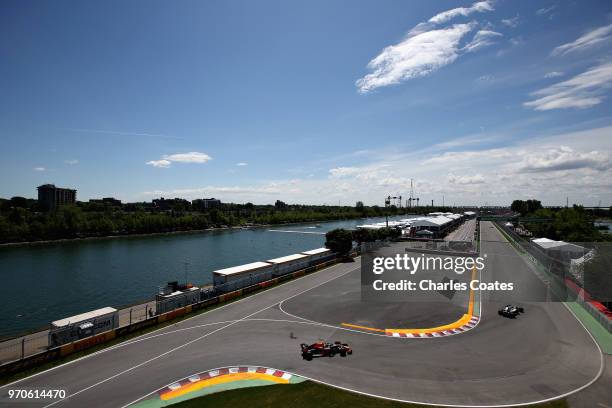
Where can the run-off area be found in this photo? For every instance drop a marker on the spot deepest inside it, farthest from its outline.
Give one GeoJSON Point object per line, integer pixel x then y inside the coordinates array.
{"type": "Point", "coordinates": [353, 299]}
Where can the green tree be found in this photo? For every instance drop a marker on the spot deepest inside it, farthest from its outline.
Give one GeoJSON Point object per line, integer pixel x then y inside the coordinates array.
{"type": "Point", "coordinates": [339, 240]}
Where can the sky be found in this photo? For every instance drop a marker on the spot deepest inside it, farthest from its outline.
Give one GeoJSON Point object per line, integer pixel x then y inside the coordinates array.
{"type": "Point", "coordinates": [318, 102]}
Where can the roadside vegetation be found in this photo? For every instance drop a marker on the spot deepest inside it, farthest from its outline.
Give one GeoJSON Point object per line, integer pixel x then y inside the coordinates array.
{"type": "Point", "coordinates": [307, 394]}
{"type": "Point", "coordinates": [341, 240]}
{"type": "Point", "coordinates": [22, 220]}
{"type": "Point", "coordinates": [573, 224]}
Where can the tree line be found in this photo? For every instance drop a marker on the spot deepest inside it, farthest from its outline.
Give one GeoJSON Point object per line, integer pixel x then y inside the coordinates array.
{"type": "Point", "coordinates": [341, 240]}
{"type": "Point", "coordinates": [21, 220]}
{"type": "Point", "coordinates": [572, 224]}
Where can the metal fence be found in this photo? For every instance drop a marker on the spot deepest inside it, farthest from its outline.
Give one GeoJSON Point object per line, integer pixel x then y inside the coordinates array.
{"type": "Point", "coordinates": [19, 348]}
{"type": "Point", "coordinates": [553, 271]}
{"type": "Point", "coordinates": [442, 246]}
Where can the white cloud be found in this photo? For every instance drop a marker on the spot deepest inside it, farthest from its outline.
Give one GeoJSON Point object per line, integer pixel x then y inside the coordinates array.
{"type": "Point", "coordinates": [122, 133]}
{"type": "Point", "coordinates": [72, 162]}
{"type": "Point", "coordinates": [191, 157]}
{"type": "Point", "coordinates": [445, 16]}
{"type": "Point", "coordinates": [477, 139]}
{"type": "Point", "coordinates": [425, 49]}
{"type": "Point", "coordinates": [416, 56]}
{"type": "Point", "coordinates": [242, 164]}
{"type": "Point", "coordinates": [39, 169]}
{"type": "Point", "coordinates": [516, 41]}
{"type": "Point", "coordinates": [464, 180]}
{"type": "Point", "coordinates": [553, 74]}
{"type": "Point", "coordinates": [160, 163]}
{"type": "Point", "coordinates": [564, 158]}
{"type": "Point", "coordinates": [582, 91]}
{"type": "Point", "coordinates": [340, 172]}
{"type": "Point", "coordinates": [511, 22]}
{"type": "Point", "coordinates": [534, 168]}
{"type": "Point", "coordinates": [482, 38]}
{"type": "Point", "coordinates": [585, 41]}
{"type": "Point", "coordinates": [200, 191]}
{"type": "Point", "coordinates": [545, 10]}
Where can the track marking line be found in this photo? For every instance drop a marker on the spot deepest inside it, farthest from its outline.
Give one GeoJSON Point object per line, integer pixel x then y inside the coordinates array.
{"type": "Point", "coordinates": [390, 334]}
{"type": "Point", "coordinates": [185, 344]}
{"type": "Point", "coordinates": [362, 327]}
{"type": "Point", "coordinates": [153, 359]}
{"type": "Point", "coordinates": [166, 327]}
{"type": "Point", "coordinates": [522, 404]}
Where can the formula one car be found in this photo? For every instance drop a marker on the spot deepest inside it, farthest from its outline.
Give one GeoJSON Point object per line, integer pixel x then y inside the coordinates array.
{"type": "Point", "coordinates": [322, 349]}
{"type": "Point", "coordinates": [510, 311]}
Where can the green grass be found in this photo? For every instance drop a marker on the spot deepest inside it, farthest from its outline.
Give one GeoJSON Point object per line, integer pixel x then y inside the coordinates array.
{"type": "Point", "coordinates": [307, 394]}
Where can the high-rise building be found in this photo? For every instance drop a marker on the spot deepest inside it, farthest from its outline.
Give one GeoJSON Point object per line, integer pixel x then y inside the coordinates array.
{"type": "Point", "coordinates": [206, 203]}
{"type": "Point", "coordinates": [51, 197]}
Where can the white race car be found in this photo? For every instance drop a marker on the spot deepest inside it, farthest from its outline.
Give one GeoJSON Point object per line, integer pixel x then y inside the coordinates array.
{"type": "Point", "coordinates": [511, 311]}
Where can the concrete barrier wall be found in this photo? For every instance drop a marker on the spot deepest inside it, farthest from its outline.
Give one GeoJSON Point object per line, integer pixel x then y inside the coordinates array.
{"type": "Point", "coordinates": [595, 309]}
{"type": "Point", "coordinates": [84, 344]}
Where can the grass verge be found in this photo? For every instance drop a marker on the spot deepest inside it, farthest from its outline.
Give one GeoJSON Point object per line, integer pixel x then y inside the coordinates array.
{"type": "Point", "coordinates": [307, 394]}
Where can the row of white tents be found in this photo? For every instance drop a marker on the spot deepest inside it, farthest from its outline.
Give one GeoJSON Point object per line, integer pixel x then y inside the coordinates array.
{"type": "Point", "coordinates": [434, 224]}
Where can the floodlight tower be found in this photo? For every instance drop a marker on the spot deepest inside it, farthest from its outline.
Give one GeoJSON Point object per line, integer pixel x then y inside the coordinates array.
{"type": "Point", "coordinates": [412, 197]}
{"type": "Point", "coordinates": [387, 204]}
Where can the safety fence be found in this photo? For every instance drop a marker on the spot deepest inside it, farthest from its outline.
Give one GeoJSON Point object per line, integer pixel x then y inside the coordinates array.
{"type": "Point", "coordinates": [21, 347]}
{"type": "Point", "coordinates": [555, 273]}
{"type": "Point", "coordinates": [442, 246]}
{"type": "Point", "coordinates": [33, 350]}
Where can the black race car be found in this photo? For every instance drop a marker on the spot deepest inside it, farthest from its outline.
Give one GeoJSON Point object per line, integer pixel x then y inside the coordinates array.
{"type": "Point", "coordinates": [322, 349]}
{"type": "Point", "coordinates": [511, 311]}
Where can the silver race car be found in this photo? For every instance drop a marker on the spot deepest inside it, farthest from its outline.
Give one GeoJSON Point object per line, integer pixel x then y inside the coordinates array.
{"type": "Point", "coordinates": [511, 311]}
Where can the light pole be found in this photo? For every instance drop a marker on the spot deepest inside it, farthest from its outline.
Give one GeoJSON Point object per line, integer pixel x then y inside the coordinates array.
{"type": "Point", "coordinates": [387, 203]}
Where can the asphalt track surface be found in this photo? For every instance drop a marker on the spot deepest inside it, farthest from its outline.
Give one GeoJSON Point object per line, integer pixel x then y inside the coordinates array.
{"type": "Point", "coordinates": [544, 354]}
{"type": "Point", "coordinates": [340, 300]}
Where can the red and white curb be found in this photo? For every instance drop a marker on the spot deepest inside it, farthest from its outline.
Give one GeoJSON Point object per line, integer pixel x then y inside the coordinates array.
{"type": "Point", "coordinates": [442, 333]}
{"type": "Point", "coordinates": [224, 371]}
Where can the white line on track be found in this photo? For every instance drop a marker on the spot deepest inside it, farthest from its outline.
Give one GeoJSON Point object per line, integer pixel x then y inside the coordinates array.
{"type": "Point", "coordinates": [267, 291]}
{"type": "Point", "coordinates": [419, 402]}
{"type": "Point", "coordinates": [280, 306]}
{"type": "Point", "coordinates": [306, 321]}
{"type": "Point", "coordinates": [371, 394]}
{"type": "Point", "coordinates": [186, 344]}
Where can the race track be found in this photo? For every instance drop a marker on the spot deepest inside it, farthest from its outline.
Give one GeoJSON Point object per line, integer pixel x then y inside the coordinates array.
{"type": "Point", "coordinates": [544, 354]}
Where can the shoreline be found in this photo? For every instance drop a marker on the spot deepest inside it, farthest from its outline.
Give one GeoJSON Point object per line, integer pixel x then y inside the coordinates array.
{"type": "Point", "coordinates": [139, 235]}
{"type": "Point", "coordinates": [153, 234]}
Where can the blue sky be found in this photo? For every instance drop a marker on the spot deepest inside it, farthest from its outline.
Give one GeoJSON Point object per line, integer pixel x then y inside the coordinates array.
{"type": "Point", "coordinates": [310, 102]}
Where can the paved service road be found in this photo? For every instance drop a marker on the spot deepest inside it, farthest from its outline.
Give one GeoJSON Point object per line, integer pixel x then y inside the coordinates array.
{"type": "Point", "coordinates": [543, 354]}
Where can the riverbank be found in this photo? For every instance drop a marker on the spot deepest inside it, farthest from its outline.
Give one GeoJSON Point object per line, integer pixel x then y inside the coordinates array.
{"type": "Point", "coordinates": [170, 233]}
{"type": "Point", "coordinates": [72, 276]}
{"type": "Point", "coordinates": [117, 236]}
{"type": "Point", "coordinates": [84, 221]}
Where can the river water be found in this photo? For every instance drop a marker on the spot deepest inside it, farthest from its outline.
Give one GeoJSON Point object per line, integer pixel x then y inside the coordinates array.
{"type": "Point", "coordinates": [42, 283]}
